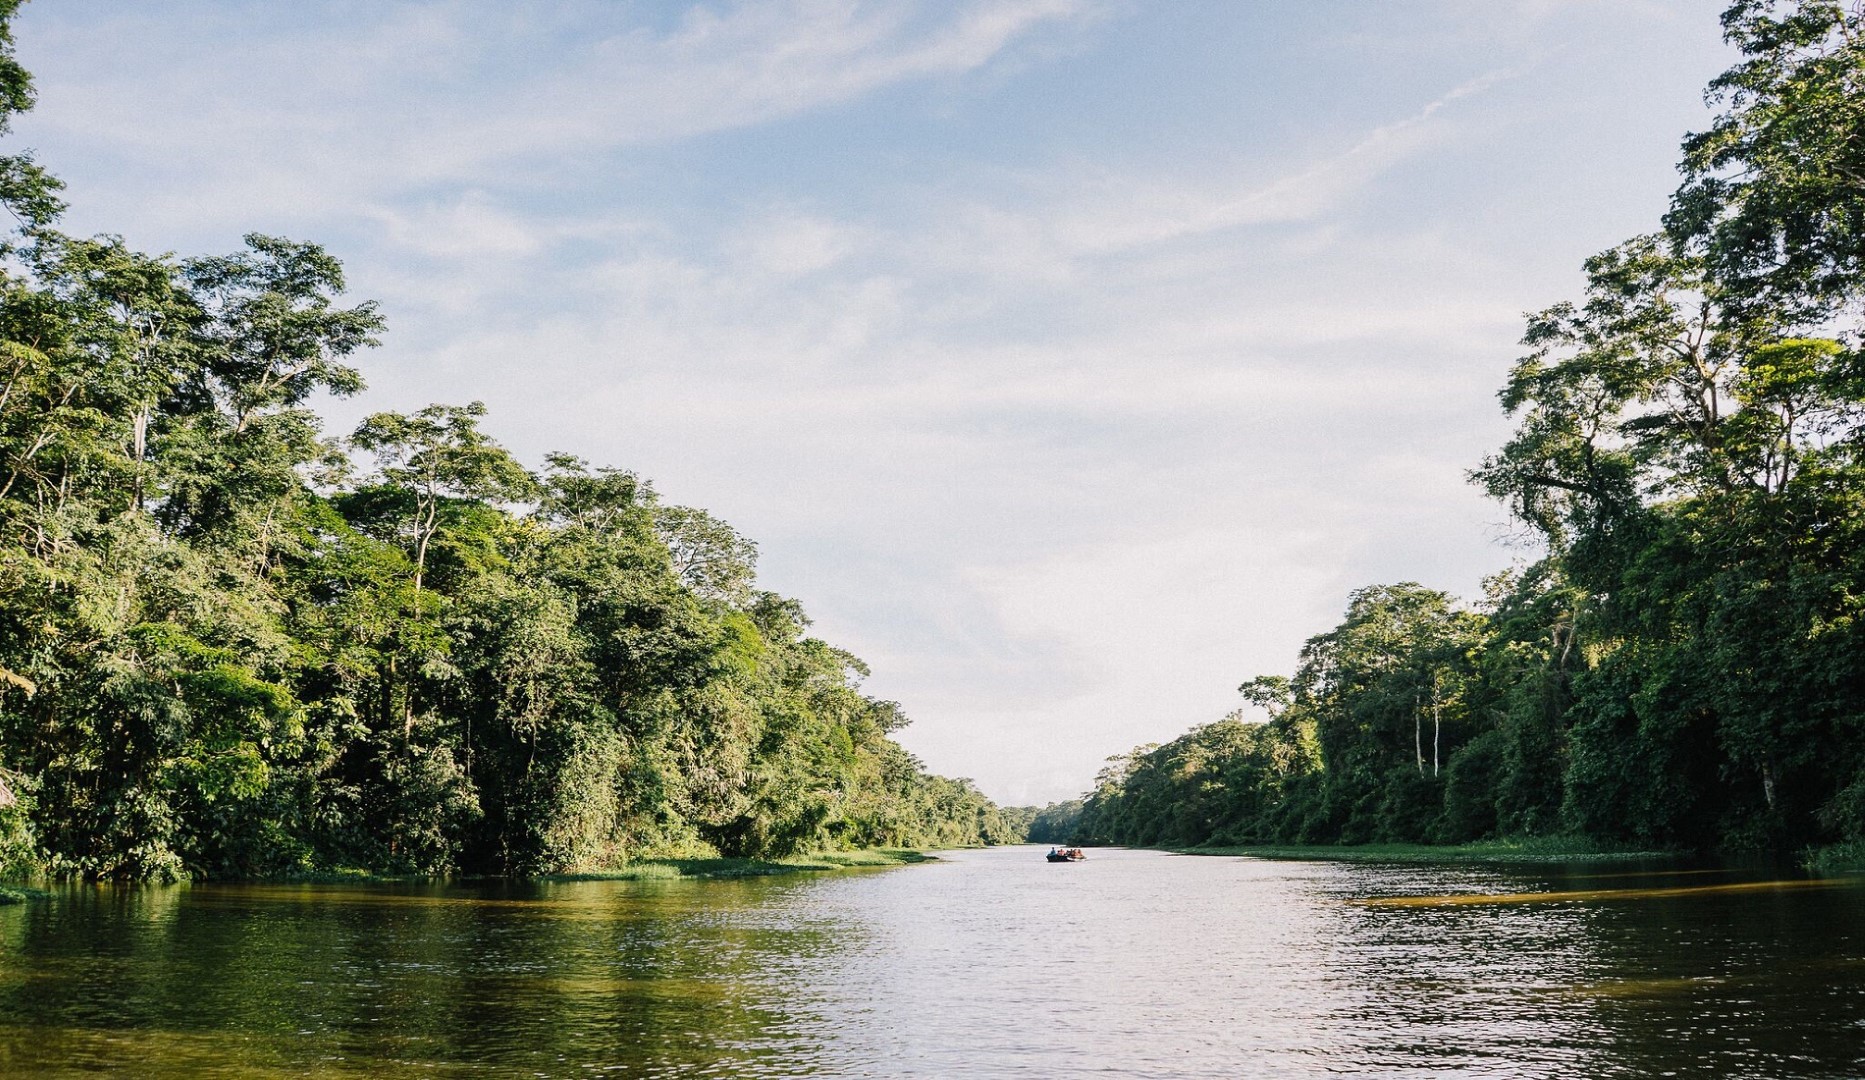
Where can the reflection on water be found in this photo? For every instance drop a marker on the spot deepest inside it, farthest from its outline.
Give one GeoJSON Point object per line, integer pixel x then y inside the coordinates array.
{"type": "Point", "coordinates": [993, 963]}
{"type": "Point", "coordinates": [1568, 896]}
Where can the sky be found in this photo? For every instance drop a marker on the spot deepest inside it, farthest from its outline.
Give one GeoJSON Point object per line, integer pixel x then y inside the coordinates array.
{"type": "Point", "coordinates": [1070, 360]}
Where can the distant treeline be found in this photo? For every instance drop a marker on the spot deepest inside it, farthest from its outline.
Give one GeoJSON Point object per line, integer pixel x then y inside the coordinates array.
{"type": "Point", "coordinates": [1686, 666]}
{"type": "Point", "coordinates": [229, 647]}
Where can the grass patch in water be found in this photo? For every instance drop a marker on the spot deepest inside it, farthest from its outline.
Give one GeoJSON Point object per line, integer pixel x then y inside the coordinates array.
{"type": "Point", "coordinates": [1590, 896]}
{"type": "Point", "coordinates": [724, 868]}
{"type": "Point", "coordinates": [342, 875]}
{"type": "Point", "coordinates": [1848, 858]}
{"type": "Point", "coordinates": [1539, 849]}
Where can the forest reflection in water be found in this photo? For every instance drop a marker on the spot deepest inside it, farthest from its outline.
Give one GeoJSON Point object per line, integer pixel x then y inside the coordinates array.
{"type": "Point", "coordinates": [992, 963]}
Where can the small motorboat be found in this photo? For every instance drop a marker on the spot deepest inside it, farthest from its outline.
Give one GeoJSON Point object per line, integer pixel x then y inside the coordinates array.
{"type": "Point", "coordinates": [1067, 854]}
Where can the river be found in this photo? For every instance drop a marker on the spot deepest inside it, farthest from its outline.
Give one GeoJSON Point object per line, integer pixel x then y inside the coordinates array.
{"type": "Point", "coordinates": [988, 963]}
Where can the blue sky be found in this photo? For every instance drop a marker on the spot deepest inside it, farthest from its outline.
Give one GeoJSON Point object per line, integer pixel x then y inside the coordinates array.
{"type": "Point", "coordinates": [1069, 359]}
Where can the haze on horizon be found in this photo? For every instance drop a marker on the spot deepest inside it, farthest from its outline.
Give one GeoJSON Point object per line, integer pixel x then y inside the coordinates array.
{"type": "Point", "coordinates": [1069, 360]}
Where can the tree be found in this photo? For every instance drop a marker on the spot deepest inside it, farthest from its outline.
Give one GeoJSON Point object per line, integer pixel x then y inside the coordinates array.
{"type": "Point", "coordinates": [1773, 198]}
{"type": "Point", "coordinates": [435, 455]}
{"type": "Point", "coordinates": [708, 555]}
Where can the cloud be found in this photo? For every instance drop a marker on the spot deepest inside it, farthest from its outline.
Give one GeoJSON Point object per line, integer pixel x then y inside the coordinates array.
{"type": "Point", "coordinates": [470, 225]}
{"type": "Point", "coordinates": [1053, 222]}
{"type": "Point", "coordinates": [1152, 634]}
{"type": "Point", "coordinates": [763, 61]}
{"type": "Point", "coordinates": [1134, 218]}
{"type": "Point", "coordinates": [792, 244]}
{"type": "Point", "coordinates": [338, 115]}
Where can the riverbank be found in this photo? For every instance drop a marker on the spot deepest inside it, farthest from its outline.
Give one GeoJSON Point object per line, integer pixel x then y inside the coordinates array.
{"type": "Point", "coordinates": [1836, 859]}
{"type": "Point", "coordinates": [1553, 849]}
{"type": "Point", "coordinates": [668, 869]}
{"type": "Point", "coordinates": [724, 868]}
{"type": "Point", "coordinates": [711, 868]}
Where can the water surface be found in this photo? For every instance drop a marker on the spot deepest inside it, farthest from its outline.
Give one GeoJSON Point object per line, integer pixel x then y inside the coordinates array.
{"type": "Point", "coordinates": [992, 963]}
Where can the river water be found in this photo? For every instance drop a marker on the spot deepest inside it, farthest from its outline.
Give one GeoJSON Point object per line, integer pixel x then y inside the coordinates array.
{"type": "Point", "coordinates": [989, 963]}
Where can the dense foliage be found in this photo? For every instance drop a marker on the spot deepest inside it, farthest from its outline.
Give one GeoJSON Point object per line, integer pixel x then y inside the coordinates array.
{"type": "Point", "coordinates": [1686, 666]}
{"type": "Point", "coordinates": [229, 646]}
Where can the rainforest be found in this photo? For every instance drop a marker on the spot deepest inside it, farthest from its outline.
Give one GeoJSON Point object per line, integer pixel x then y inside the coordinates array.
{"type": "Point", "coordinates": [235, 645]}
{"type": "Point", "coordinates": [1679, 661]}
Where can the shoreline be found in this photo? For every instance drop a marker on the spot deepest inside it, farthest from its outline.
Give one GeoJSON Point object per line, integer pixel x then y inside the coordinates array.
{"type": "Point", "coordinates": [726, 869]}
{"type": "Point", "coordinates": [1836, 859]}
{"type": "Point", "coordinates": [1548, 850]}
{"type": "Point", "coordinates": [713, 868]}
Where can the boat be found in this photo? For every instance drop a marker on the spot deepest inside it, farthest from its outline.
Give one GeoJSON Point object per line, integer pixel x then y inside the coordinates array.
{"type": "Point", "coordinates": [1067, 854]}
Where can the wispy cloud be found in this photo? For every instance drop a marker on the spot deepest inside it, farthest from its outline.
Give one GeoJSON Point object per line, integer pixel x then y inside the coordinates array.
{"type": "Point", "coordinates": [345, 115]}
{"type": "Point", "coordinates": [1137, 218]}
{"type": "Point", "coordinates": [1053, 222]}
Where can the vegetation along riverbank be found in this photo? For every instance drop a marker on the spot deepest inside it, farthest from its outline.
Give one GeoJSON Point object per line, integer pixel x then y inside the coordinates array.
{"type": "Point", "coordinates": [233, 644]}
{"type": "Point", "coordinates": [1549, 849]}
{"type": "Point", "coordinates": [723, 868]}
{"type": "Point", "coordinates": [1683, 666]}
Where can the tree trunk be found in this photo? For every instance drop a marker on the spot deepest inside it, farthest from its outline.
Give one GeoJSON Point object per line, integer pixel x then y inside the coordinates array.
{"type": "Point", "coordinates": [420, 550]}
{"type": "Point", "coordinates": [1437, 731]}
{"type": "Point", "coordinates": [1418, 737]}
{"type": "Point", "coordinates": [142, 446]}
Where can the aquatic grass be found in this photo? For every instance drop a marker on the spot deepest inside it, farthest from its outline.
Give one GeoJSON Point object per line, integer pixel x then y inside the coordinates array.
{"type": "Point", "coordinates": [641, 871]}
{"type": "Point", "coordinates": [842, 860]}
{"type": "Point", "coordinates": [1672, 986]}
{"type": "Point", "coordinates": [1590, 896]}
{"type": "Point", "coordinates": [1538, 849]}
{"type": "Point", "coordinates": [341, 875]}
{"type": "Point", "coordinates": [1846, 858]}
{"type": "Point", "coordinates": [721, 868]}
{"type": "Point", "coordinates": [20, 894]}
